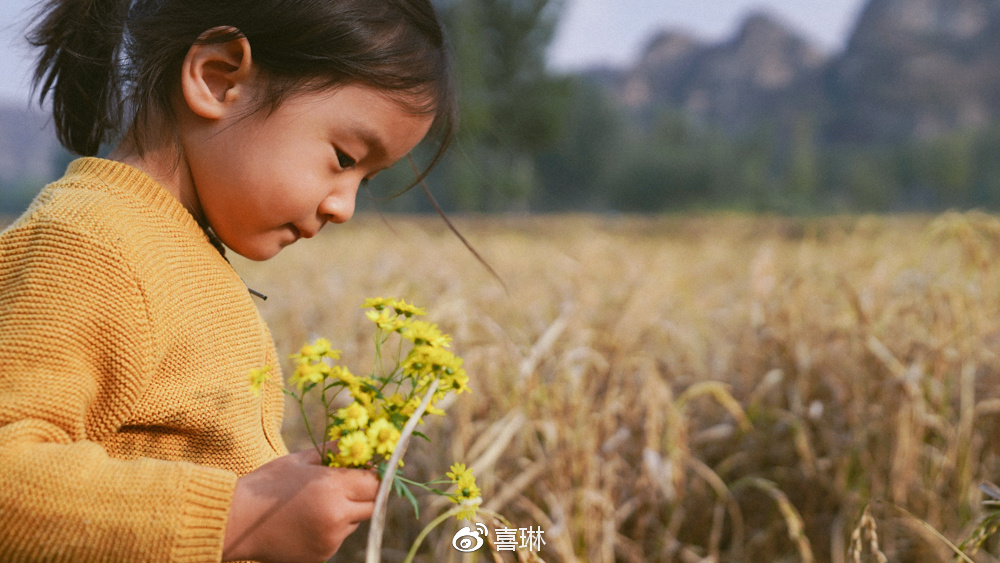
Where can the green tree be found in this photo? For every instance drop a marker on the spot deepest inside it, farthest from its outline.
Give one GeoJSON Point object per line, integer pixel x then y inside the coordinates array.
{"type": "Point", "coordinates": [511, 108]}
{"type": "Point", "coordinates": [802, 176]}
{"type": "Point", "coordinates": [594, 138]}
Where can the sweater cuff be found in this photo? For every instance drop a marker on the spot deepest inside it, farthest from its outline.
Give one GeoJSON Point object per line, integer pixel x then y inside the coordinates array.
{"type": "Point", "coordinates": [208, 497]}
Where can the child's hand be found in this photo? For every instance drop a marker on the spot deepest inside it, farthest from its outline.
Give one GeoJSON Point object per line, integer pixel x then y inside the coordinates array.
{"type": "Point", "coordinates": [295, 509]}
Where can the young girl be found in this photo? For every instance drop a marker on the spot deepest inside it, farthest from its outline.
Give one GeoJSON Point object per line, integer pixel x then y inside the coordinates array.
{"type": "Point", "coordinates": [127, 429]}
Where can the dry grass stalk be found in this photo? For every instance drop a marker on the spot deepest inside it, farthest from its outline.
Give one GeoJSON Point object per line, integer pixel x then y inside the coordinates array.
{"type": "Point", "coordinates": [865, 538]}
{"type": "Point", "coordinates": [858, 358]}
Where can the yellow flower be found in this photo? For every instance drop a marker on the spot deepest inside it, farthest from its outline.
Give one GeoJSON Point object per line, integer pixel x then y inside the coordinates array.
{"type": "Point", "coordinates": [410, 407]}
{"type": "Point", "coordinates": [363, 389]}
{"type": "Point", "coordinates": [407, 310]}
{"type": "Point", "coordinates": [378, 303]}
{"type": "Point", "coordinates": [354, 415]}
{"type": "Point", "coordinates": [458, 471]}
{"type": "Point", "coordinates": [471, 506]}
{"type": "Point", "coordinates": [446, 361]}
{"type": "Point", "coordinates": [355, 449]}
{"type": "Point", "coordinates": [257, 379]}
{"type": "Point", "coordinates": [308, 373]}
{"type": "Point", "coordinates": [467, 491]}
{"type": "Point", "coordinates": [319, 349]}
{"type": "Point", "coordinates": [467, 494]}
{"type": "Point", "coordinates": [394, 402]}
{"type": "Point", "coordinates": [387, 321]}
{"type": "Point", "coordinates": [419, 362]}
{"type": "Point", "coordinates": [423, 332]}
{"type": "Point", "coordinates": [336, 431]}
{"type": "Point", "coordinates": [456, 381]}
{"type": "Point", "coordinates": [383, 436]}
{"type": "Point", "coordinates": [343, 374]}
{"type": "Point", "coordinates": [424, 360]}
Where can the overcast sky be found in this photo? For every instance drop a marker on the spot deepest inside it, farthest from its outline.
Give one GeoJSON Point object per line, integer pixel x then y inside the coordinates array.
{"type": "Point", "coordinates": [591, 31]}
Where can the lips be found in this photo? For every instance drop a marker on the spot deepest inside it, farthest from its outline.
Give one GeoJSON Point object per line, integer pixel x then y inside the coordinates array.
{"type": "Point", "coordinates": [301, 232]}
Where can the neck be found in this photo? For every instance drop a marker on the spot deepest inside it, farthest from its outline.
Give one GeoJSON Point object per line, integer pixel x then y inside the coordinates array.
{"type": "Point", "coordinates": [164, 164]}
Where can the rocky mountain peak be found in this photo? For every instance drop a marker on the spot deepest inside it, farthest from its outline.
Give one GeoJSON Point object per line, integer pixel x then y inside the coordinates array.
{"type": "Point", "coordinates": [762, 29]}
{"type": "Point", "coordinates": [957, 20]}
{"type": "Point", "coordinates": [771, 54]}
{"type": "Point", "coordinates": [911, 69]}
{"type": "Point", "coordinates": [918, 68]}
{"type": "Point", "coordinates": [728, 83]}
{"type": "Point", "coordinates": [668, 47]}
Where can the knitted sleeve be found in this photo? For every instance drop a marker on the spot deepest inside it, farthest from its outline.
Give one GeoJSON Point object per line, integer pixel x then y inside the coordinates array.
{"type": "Point", "coordinates": [76, 349]}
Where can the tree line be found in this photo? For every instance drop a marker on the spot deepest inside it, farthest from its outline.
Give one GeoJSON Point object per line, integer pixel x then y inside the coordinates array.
{"type": "Point", "coordinates": [533, 140]}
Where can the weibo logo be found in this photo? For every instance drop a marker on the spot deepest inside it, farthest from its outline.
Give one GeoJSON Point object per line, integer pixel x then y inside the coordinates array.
{"type": "Point", "coordinates": [468, 540]}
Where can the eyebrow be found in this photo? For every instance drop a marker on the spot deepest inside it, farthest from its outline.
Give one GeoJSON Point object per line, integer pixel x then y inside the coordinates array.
{"type": "Point", "coordinates": [375, 145]}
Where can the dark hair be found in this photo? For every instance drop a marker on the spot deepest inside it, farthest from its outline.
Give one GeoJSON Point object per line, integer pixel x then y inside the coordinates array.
{"type": "Point", "coordinates": [110, 66]}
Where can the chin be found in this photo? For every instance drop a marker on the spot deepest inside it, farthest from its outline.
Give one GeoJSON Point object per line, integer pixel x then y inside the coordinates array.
{"type": "Point", "coordinates": [255, 253]}
{"type": "Point", "coordinates": [259, 255]}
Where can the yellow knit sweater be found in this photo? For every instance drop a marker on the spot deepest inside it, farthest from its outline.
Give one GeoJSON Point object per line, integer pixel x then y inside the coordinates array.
{"type": "Point", "coordinates": [126, 341]}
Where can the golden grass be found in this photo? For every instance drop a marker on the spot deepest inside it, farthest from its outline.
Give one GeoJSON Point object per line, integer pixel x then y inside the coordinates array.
{"type": "Point", "coordinates": [710, 389]}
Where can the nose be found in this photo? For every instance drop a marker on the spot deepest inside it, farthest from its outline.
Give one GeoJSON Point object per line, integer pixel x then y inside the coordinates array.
{"type": "Point", "coordinates": [338, 206]}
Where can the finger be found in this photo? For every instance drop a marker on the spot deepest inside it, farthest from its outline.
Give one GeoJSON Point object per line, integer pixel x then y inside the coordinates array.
{"type": "Point", "coordinates": [357, 512]}
{"type": "Point", "coordinates": [312, 456]}
{"type": "Point", "coordinates": [362, 485]}
{"type": "Point", "coordinates": [347, 530]}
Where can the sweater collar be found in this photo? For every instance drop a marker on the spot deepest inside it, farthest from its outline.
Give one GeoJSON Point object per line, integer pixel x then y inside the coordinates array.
{"type": "Point", "coordinates": [123, 179]}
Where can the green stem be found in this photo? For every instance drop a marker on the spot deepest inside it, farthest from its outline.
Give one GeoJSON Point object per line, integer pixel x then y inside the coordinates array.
{"type": "Point", "coordinates": [427, 529]}
{"type": "Point", "coordinates": [326, 421]}
{"type": "Point", "coordinates": [302, 410]}
{"type": "Point", "coordinates": [378, 354]}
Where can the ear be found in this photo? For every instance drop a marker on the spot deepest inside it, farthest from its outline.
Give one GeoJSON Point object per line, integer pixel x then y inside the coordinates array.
{"type": "Point", "coordinates": [215, 77]}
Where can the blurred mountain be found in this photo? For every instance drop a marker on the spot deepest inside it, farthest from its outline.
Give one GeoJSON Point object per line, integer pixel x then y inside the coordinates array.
{"type": "Point", "coordinates": [917, 68]}
{"type": "Point", "coordinates": [911, 69]}
{"type": "Point", "coordinates": [735, 84]}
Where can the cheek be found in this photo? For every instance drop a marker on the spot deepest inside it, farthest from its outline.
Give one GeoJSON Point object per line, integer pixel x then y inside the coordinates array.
{"type": "Point", "coordinates": [292, 185]}
{"type": "Point", "coordinates": [266, 180]}
{"type": "Point", "coordinates": [300, 178]}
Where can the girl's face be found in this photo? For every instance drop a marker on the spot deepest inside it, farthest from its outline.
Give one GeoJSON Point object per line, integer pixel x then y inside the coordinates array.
{"type": "Point", "coordinates": [263, 182]}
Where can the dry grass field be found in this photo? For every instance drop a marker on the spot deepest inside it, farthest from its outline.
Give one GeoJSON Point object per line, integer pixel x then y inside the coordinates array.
{"type": "Point", "coordinates": [687, 389]}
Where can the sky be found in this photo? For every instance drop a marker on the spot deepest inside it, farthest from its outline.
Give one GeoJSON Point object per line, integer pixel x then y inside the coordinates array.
{"type": "Point", "coordinates": [591, 32]}
{"type": "Point", "coordinates": [615, 31]}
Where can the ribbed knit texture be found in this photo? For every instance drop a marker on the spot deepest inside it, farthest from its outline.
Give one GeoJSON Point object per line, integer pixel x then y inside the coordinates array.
{"type": "Point", "coordinates": [126, 341]}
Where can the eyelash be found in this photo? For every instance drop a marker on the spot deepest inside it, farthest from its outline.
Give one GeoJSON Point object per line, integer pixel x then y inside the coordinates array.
{"type": "Point", "coordinates": [345, 161]}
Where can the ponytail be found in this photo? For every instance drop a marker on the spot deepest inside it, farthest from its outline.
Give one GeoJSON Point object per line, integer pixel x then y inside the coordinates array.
{"type": "Point", "coordinates": [78, 69]}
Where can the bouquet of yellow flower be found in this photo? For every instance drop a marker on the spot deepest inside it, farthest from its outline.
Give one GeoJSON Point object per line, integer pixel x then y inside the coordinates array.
{"type": "Point", "coordinates": [382, 408]}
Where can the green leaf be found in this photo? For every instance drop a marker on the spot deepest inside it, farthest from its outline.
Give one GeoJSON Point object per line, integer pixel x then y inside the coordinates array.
{"type": "Point", "coordinates": [404, 491]}
{"type": "Point", "coordinates": [421, 435]}
{"type": "Point", "coordinates": [398, 420]}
